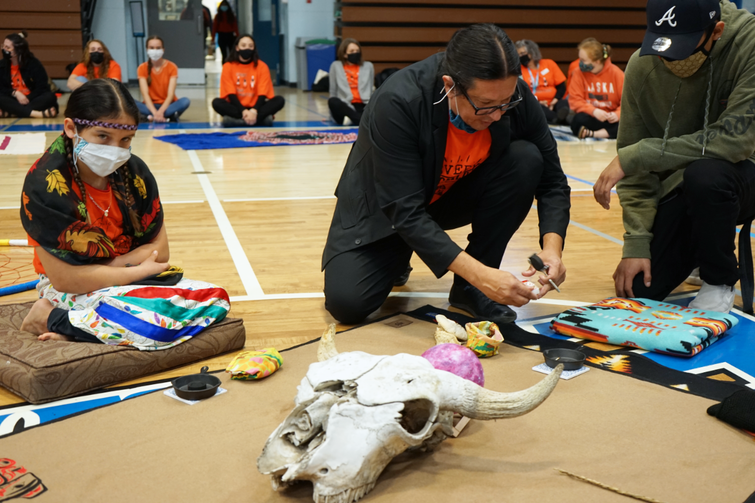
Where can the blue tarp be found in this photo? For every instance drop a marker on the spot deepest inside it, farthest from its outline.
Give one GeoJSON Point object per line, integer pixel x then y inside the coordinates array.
{"type": "Point", "coordinates": [256, 138]}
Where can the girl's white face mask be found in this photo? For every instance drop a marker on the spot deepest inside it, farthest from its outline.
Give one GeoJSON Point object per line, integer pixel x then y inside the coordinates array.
{"type": "Point", "coordinates": [155, 54]}
{"type": "Point", "coordinates": [102, 160]}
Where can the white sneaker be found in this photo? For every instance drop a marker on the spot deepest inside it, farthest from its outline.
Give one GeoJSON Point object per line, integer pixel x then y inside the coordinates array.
{"type": "Point", "coordinates": [714, 298]}
{"type": "Point", "coordinates": [694, 278]}
{"type": "Point", "coordinates": [347, 121]}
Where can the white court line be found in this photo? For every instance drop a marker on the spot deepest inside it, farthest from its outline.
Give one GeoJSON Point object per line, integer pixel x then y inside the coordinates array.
{"type": "Point", "coordinates": [252, 199]}
{"type": "Point", "coordinates": [198, 201]}
{"type": "Point", "coordinates": [244, 268]}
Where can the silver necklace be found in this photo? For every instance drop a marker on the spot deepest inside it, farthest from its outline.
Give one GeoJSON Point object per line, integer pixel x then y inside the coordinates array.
{"type": "Point", "coordinates": [100, 207]}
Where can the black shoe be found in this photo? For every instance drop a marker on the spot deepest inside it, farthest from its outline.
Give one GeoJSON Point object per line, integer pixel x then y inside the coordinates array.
{"type": "Point", "coordinates": [473, 301]}
{"type": "Point", "coordinates": [174, 117]}
{"type": "Point", "coordinates": [401, 280]}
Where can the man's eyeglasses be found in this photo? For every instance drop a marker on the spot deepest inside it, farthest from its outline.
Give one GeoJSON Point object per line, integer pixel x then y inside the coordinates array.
{"type": "Point", "coordinates": [516, 98]}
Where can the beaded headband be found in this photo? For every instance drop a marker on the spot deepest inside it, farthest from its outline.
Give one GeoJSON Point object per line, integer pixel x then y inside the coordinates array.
{"type": "Point", "coordinates": [84, 122]}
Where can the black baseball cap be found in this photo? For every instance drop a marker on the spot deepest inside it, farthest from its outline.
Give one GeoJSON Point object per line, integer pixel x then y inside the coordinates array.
{"type": "Point", "coordinates": [675, 27]}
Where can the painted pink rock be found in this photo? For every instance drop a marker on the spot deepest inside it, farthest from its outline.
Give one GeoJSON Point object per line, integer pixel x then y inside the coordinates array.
{"type": "Point", "coordinates": [458, 360]}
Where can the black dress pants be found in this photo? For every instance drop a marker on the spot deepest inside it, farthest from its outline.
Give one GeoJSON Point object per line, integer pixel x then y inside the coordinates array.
{"type": "Point", "coordinates": [494, 198]}
{"type": "Point", "coordinates": [42, 102]}
{"type": "Point", "coordinates": [593, 124]}
{"type": "Point", "coordinates": [340, 109]}
{"type": "Point", "coordinates": [225, 42]}
{"type": "Point", "coordinates": [264, 107]}
{"type": "Point", "coordinates": [695, 226]}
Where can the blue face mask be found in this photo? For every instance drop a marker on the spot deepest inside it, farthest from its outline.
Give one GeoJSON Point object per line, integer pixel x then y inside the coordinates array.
{"type": "Point", "coordinates": [586, 67]}
{"type": "Point", "coordinates": [457, 121]}
{"type": "Point", "coordinates": [224, 8]}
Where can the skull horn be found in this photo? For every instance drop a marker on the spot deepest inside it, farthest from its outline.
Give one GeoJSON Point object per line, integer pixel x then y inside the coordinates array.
{"type": "Point", "coordinates": [477, 402]}
{"type": "Point", "coordinates": [327, 348]}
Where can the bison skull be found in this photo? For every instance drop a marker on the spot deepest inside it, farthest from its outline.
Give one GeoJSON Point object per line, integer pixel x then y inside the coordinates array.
{"type": "Point", "coordinates": [354, 412]}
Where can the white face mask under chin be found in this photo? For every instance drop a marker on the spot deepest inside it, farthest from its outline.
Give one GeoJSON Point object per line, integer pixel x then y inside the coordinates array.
{"type": "Point", "coordinates": [102, 160]}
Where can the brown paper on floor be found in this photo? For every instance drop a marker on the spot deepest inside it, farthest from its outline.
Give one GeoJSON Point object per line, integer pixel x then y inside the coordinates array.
{"type": "Point", "coordinates": [639, 437]}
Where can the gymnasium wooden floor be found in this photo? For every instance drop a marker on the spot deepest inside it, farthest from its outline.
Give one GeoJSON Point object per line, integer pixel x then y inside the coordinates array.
{"type": "Point", "coordinates": [254, 221]}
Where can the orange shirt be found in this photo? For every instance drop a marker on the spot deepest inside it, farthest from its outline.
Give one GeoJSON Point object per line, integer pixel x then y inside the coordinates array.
{"type": "Point", "coordinates": [17, 81]}
{"type": "Point", "coordinates": [574, 65]}
{"type": "Point", "coordinates": [247, 82]}
{"type": "Point", "coordinates": [464, 152]}
{"type": "Point", "coordinates": [544, 79]}
{"type": "Point", "coordinates": [114, 72]}
{"type": "Point", "coordinates": [352, 75]}
{"type": "Point", "coordinates": [588, 91]}
{"type": "Point", "coordinates": [112, 224]}
{"type": "Point", "coordinates": [158, 89]}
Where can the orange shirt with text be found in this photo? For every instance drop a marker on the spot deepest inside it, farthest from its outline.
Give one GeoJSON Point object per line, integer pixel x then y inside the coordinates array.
{"type": "Point", "coordinates": [247, 82]}
{"type": "Point", "coordinates": [17, 81]}
{"type": "Point", "coordinates": [464, 152]}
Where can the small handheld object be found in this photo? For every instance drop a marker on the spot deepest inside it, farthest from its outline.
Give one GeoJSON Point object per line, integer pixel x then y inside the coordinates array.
{"type": "Point", "coordinates": [542, 267]}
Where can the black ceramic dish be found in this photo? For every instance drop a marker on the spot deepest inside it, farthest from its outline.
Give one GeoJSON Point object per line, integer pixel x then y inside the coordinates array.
{"type": "Point", "coordinates": [196, 386]}
{"type": "Point", "coordinates": [571, 359]}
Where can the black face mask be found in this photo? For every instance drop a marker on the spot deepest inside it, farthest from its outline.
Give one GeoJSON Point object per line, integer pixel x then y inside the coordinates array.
{"type": "Point", "coordinates": [524, 60]}
{"type": "Point", "coordinates": [6, 55]}
{"type": "Point", "coordinates": [354, 58]}
{"type": "Point", "coordinates": [247, 54]}
{"type": "Point", "coordinates": [96, 57]}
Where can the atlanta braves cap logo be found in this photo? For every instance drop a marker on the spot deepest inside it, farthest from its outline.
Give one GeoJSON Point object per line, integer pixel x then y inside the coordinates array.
{"type": "Point", "coordinates": [668, 17]}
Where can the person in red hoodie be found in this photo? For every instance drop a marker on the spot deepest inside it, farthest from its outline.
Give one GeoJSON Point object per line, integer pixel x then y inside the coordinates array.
{"type": "Point", "coordinates": [226, 28]}
{"type": "Point", "coordinates": [595, 92]}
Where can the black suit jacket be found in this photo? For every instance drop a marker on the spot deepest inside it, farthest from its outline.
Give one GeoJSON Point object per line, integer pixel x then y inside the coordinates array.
{"type": "Point", "coordinates": [34, 75]}
{"type": "Point", "coordinates": [395, 165]}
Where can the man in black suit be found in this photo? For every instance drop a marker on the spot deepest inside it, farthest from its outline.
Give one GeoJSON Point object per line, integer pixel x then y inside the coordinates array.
{"type": "Point", "coordinates": [421, 166]}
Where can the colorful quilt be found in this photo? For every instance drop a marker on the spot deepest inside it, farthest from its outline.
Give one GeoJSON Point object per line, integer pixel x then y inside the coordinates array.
{"type": "Point", "coordinates": [647, 324]}
{"type": "Point", "coordinates": [145, 317]}
{"type": "Point", "coordinates": [255, 138]}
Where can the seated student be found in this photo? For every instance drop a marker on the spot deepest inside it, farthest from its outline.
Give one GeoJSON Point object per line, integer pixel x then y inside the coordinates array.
{"type": "Point", "coordinates": [545, 79]}
{"type": "Point", "coordinates": [246, 89]}
{"type": "Point", "coordinates": [24, 86]}
{"type": "Point", "coordinates": [157, 82]}
{"type": "Point", "coordinates": [350, 83]}
{"type": "Point", "coordinates": [595, 92]}
{"type": "Point", "coordinates": [92, 212]}
{"type": "Point", "coordinates": [96, 62]}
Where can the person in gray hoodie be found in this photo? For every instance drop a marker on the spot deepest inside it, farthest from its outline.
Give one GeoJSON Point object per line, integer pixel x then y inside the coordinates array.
{"type": "Point", "coordinates": [351, 81]}
{"type": "Point", "coordinates": [685, 170]}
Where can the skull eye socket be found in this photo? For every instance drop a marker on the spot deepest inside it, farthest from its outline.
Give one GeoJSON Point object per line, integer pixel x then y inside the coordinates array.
{"type": "Point", "coordinates": [416, 415]}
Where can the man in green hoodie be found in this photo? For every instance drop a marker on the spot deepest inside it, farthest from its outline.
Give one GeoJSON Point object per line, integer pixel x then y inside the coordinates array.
{"type": "Point", "coordinates": [685, 170]}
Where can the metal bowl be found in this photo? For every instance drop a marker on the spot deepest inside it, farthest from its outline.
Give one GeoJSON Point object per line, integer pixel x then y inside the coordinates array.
{"type": "Point", "coordinates": [196, 386]}
{"type": "Point", "coordinates": [571, 359]}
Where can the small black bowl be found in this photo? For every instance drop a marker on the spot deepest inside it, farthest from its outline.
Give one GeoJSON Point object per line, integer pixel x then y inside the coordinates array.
{"type": "Point", "coordinates": [196, 386]}
{"type": "Point", "coordinates": [571, 359]}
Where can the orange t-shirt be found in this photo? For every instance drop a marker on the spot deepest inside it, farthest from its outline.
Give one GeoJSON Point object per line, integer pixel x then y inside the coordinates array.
{"type": "Point", "coordinates": [247, 82]}
{"type": "Point", "coordinates": [588, 91]}
{"type": "Point", "coordinates": [112, 224]}
{"type": "Point", "coordinates": [114, 72]}
{"type": "Point", "coordinates": [17, 81]}
{"type": "Point", "coordinates": [352, 75]}
{"type": "Point", "coordinates": [158, 89]}
{"type": "Point", "coordinates": [573, 66]}
{"type": "Point", "coordinates": [544, 79]}
{"type": "Point", "coordinates": [464, 152]}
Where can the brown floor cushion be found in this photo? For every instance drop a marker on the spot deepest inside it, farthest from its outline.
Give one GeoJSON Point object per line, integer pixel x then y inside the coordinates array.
{"type": "Point", "coordinates": [45, 371]}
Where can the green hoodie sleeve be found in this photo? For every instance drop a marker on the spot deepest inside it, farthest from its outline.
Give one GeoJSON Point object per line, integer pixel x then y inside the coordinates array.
{"type": "Point", "coordinates": [731, 137]}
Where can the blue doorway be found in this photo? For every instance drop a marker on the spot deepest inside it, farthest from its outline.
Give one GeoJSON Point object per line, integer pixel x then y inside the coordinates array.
{"type": "Point", "coordinates": [267, 35]}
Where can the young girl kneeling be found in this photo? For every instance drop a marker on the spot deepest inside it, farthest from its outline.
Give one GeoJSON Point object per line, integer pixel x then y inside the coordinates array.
{"type": "Point", "coordinates": [92, 211]}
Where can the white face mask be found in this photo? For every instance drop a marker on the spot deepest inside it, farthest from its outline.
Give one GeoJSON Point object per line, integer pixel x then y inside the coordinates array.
{"type": "Point", "coordinates": [155, 54]}
{"type": "Point", "coordinates": [102, 160]}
